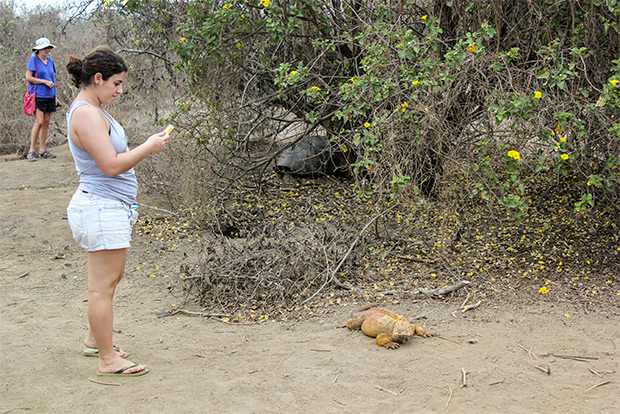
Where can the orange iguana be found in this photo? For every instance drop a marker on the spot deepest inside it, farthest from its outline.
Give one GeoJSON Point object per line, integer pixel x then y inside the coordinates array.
{"type": "Point", "coordinates": [389, 329]}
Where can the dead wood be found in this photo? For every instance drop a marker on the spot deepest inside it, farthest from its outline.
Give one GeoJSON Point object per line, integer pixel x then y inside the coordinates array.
{"type": "Point", "coordinates": [470, 307]}
{"type": "Point", "coordinates": [444, 290]}
{"type": "Point", "coordinates": [598, 385]}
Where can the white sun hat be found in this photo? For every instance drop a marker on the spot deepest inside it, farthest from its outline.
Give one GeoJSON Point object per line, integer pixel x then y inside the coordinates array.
{"type": "Point", "coordinates": [42, 43]}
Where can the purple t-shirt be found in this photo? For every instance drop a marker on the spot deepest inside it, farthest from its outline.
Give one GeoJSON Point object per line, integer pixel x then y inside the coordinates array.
{"type": "Point", "coordinates": [42, 71]}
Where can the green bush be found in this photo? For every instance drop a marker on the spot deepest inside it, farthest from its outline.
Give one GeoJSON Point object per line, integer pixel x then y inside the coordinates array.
{"type": "Point", "coordinates": [419, 92]}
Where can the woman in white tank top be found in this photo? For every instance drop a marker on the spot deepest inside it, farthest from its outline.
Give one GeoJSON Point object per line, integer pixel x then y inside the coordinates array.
{"type": "Point", "coordinates": [99, 212]}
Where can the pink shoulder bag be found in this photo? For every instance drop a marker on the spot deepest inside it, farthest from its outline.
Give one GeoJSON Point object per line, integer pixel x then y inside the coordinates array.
{"type": "Point", "coordinates": [30, 106]}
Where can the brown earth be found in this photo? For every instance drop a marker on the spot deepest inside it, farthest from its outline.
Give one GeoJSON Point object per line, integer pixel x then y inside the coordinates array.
{"type": "Point", "coordinates": [306, 365]}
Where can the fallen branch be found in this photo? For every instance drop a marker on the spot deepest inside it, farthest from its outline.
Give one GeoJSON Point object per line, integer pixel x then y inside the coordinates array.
{"type": "Point", "coordinates": [543, 369]}
{"type": "Point", "coordinates": [598, 385]}
{"type": "Point", "coordinates": [465, 301]}
{"type": "Point", "coordinates": [470, 307]}
{"type": "Point", "coordinates": [495, 381]}
{"type": "Point", "coordinates": [446, 339]}
{"type": "Point", "coordinates": [383, 389]}
{"type": "Point", "coordinates": [573, 357]}
{"type": "Point", "coordinates": [594, 372]}
{"type": "Point", "coordinates": [190, 313]}
{"type": "Point", "coordinates": [444, 290]}
{"type": "Point", "coordinates": [464, 384]}
{"type": "Point", "coordinates": [216, 316]}
{"type": "Point", "coordinates": [238, 323]}
{"type": "Point", "coordinates": [23, 275]}
{"type": "Point", "coordinates": [529, 352]}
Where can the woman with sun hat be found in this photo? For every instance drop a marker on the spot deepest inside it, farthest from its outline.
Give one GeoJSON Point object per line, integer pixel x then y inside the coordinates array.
{"type": "Point", "coordinates": [41, 77]}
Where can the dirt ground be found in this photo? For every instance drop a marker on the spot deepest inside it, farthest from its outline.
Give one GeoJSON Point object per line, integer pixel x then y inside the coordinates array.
{"type": "Point", "coordinates": [306, 365]}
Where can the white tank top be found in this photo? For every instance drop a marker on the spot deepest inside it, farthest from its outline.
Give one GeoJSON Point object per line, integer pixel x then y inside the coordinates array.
{"type": "Point", "coordinates": [123, 187]}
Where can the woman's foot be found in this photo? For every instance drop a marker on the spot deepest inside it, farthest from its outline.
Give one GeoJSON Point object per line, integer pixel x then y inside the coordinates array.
{"type": "Point", "coordinates": [91, 349]}
{"type": "Point", "coordinates": [94, 352]}
{"type": "Point", "coordinates": [122, 368]}
{"type": "Point", "coordinates": [32, 156]}
{"type": "Point", "coordinates": [46, 154]}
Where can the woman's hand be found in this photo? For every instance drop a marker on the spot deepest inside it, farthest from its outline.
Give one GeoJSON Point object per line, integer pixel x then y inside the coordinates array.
{"type": "Point", "coordinates": [157, 142]}
{"type": "Point", "coordinates": [49, 84]}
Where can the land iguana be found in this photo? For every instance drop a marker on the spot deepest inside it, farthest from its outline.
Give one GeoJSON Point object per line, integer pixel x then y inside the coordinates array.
{"type": "Point", "coordinates": [389, 329]}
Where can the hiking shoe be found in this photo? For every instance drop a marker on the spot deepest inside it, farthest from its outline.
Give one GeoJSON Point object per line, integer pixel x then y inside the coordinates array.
{"type": "Point", "coordinates": [32, 156]}
{"type": "Point", "coordinates": [46, 154]}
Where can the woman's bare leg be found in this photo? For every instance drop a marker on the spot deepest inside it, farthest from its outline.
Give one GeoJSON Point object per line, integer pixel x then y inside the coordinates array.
{"type": "Point", "coordinates": [105, 271]}
{"type": "Point", "coordinates": [39, 119]}
{"type": "Point", "coordinates": [45, 125]}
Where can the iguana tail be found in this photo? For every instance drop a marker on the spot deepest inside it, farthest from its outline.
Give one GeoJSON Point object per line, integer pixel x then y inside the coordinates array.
{"type": "Point", "coordinates": [361, 309]}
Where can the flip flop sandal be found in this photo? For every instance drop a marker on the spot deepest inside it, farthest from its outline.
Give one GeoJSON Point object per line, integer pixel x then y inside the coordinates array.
{"type": "Point", "coordinates": [94, 352]}
{"type": "Point", "coordinates": [121, 372]}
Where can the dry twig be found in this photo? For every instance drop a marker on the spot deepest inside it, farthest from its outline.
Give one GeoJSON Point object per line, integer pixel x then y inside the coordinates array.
{"type": "Point", "coordinates": [444, 290]}
{"type": "Point", "coordinates": [529, 352]}
{"type": "Point", "coordinates": [470, 307]}
{"type": "Point", "coordinates": [332, 276]}
{"type": "Point", "coordinates": [598, 385]}
{"type": "Point", "coordinates": [543, 369]}
{"type": "Point", "coordinates": [23, 275]}
{"type": "Point", "coordinates": [573, 357]}
{"type": "Point", "coordinates": [594, 372]}
{"type": "Point", "coordinates": [464, 384]}
{"type": "Point", "coordinates": [203, 314]}
{"type": "Point", "coordinates": [446, 339]}
{"type": "Point", "coordinates": [383, 389]}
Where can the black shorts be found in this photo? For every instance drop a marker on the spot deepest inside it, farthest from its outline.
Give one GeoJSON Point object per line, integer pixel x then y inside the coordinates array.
{"type": "Point", "coordinates": [46, 104]}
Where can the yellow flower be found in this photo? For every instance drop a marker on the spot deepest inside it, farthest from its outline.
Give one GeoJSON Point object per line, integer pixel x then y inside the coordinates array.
{"type": "Point", "coordinates": [367, 125]}
{"type": "Point", "coordinates": [265, 3]}
{"type": "Point", "coordinates": [537, 94]}
{"type": "Point", "coordinates": [415, 82]}
{"type": "Point", "coordinates": [182, 39]}
{"type": "Point", "coordinates": [472, 48]}
{"type": "Point", "coordinates": [564, 156]}
{"type": "Point", "coordinates": [293, 72]}
{"type": "Point", "coordinates": [543, 290]}
{"type": "Point", "coordinates": [316, 88]}
{"type": "Point", "coordinates": [613, 81]}
{"type": "Point", "coordinates": [514, 155]}
{"type": "Point", "coordinates": [424, 17]}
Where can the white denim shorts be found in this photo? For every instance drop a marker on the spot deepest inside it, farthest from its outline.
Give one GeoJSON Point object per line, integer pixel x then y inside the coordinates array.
{"type": "Point", "coordinates": [100, 223]}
